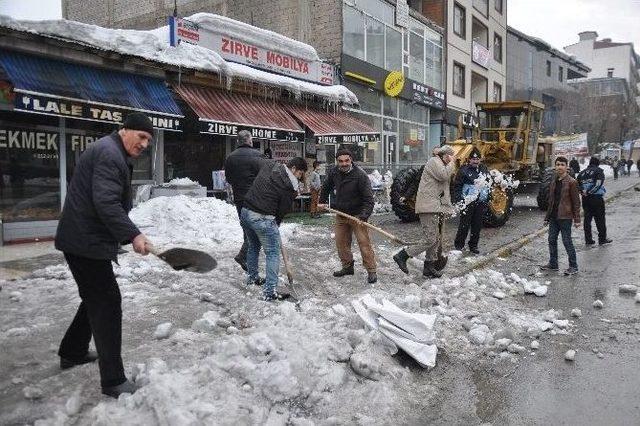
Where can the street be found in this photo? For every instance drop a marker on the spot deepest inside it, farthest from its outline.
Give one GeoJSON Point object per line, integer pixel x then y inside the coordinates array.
{"type": "Point", "coordinates": [232, 359]}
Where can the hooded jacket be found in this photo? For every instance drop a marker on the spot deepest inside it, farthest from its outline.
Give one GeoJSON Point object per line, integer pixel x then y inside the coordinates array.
{"type": "Point", "coordinates": [272, 192]}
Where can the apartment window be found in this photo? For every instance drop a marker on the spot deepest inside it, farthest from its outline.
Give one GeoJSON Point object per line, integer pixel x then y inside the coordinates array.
{"type": "Point", "coordinates": [482, 6]}
{"type": "Point", "coordinates": [610, 72]}
{"type": "Point", "coordinates": [375, 42]}
{"type": "Point", "coordinates": [459, 20]}
{"type": "Point", "coordinates": [458, 79]}
{"type": "Point", "coordinates": [497, 48]}
{"type": "Point", "coordinates": [560, 74]}
{"type": "Point", "coordinates": [416, 57]}
{"type": "Point", "coordinates": [498, 6]}
{"type": "Point", "coordinates": [497, 92]}
{"type": "Point", "coordinates": [353, 32]}
{"type": "Point", "coordinates": [548, 68]}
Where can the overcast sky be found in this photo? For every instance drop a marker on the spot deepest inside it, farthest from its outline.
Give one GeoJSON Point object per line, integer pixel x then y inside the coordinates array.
{"type": "Point", "coordinates": [559, 21]}
{"type": "Point", "coordinates": [556, 21]}
{"type": "Point", "coordinates": [31, 9]}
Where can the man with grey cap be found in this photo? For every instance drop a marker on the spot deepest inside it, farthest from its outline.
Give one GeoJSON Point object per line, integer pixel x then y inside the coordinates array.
{"type": "Point", "coordinates": [433, 205]}
{"type": "Point", "coordinates": [93, 223]}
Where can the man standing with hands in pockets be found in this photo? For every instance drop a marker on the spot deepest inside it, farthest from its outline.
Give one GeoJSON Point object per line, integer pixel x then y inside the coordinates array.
{"type": "Point", "coordinates": [564, 207]}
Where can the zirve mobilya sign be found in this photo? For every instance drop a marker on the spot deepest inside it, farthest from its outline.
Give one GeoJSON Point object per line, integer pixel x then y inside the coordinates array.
{"type": "Point", "coordinates": [351, 139]}
{"type": "Point", "coordinates": [229, 129]}
{"type": "Point", "coordinates": [240, 51]}
{"type": "Point", "coordinates": [50, 105]}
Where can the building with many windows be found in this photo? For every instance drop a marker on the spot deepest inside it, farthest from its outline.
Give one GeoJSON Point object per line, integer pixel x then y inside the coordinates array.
{"type": "Point", "coordinates": [385, 51]}
{"type": "Point", "coordinates": [537, 71]}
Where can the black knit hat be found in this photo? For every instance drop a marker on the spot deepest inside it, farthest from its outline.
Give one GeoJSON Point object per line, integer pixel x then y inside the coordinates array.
{"type": "Point", "coordinates": [138, 121]}
{"type": "Point", "coordinates": [594, 161]}
{"type": "Point", "coordinates": [475, 153]}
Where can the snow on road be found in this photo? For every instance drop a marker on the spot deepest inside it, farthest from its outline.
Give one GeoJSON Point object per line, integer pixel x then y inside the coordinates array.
{"type": "Point", "coordinates": [230, 358]}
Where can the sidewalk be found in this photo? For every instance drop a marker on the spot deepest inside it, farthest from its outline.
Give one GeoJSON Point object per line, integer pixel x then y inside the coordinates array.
{"type": "Point", "coordinates": [19, 260]}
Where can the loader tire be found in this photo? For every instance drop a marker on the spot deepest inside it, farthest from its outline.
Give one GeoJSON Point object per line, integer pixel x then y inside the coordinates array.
{"type": "Point", "coordinates": [499, 207]}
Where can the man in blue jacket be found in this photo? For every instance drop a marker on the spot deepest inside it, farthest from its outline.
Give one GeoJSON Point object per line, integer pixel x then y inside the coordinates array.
{"type": "Point", "coordinates": [93, 223]}
{"type": "Point", "coordinates": [591, 182]}
{"type": "Point", "coordinates": [475, 196]}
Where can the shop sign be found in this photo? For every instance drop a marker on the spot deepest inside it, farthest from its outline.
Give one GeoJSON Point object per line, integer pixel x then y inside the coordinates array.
{"type": "Point", "coordinates": [393, 83]}
{"type": "Point", "coordinates": [43, 144]}
{"type": "Point", "coordinates": [480, 55]}
{"type": "Point", "coordinates": [402, 13]}
{"type": "Point", "coordinates": [227, 129]}
{"type": "Point", "coordinates": [183, 31]}
{"type": "Point", "coordinates": [285, 151]}
{"type": "Point", "coordinates": [352, 139]}
{"type": "Point", "coordinates": [426, 95]}
{"type": "Point", "coordinates": [84, 111]}
{"type": "Point", "coordinates": [235, 49]}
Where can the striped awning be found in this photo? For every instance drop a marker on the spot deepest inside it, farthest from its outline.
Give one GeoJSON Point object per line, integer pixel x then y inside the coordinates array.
{"type": "Point", "coordinates": [224, 113]}
{"type": "Point", "coordinates": [334, 127]}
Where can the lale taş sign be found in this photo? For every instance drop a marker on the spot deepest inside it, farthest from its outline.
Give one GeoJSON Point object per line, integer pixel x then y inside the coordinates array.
{"type": "Point", "coordinates": [240, 51]}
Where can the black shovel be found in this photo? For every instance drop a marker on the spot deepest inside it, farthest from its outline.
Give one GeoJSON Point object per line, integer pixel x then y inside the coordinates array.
{"type": "Point", "coordinates": [183, 259]}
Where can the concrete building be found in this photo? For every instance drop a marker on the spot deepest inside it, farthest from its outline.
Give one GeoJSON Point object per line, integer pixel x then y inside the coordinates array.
{"type": "Point", "coordinates": [476, 33]}
{"type": "Point", "coordinates": [608, 59]}
{"type": "Point", "coordinates": [537, 71]}
{"type": "Point", "coordinates": [387, 52]}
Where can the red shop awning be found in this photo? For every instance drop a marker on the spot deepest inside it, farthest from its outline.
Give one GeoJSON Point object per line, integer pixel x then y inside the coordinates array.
{"type": "Point", "coordinates": [224, 113]}
{"type": "Point", "coordinates": [337, 127]}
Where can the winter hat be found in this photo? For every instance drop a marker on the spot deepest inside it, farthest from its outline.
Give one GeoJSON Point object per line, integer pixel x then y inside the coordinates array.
{"type": "Point", "coordinates": [594, 161]}
{"type": "Point", "coordinates": [344, 151]}
{"type": "Point", "coordinates": [444, 150]}
{"type": "Point", "coordinates": [138, 121]}
{"type": "Point", "coordinates": [475, 153]}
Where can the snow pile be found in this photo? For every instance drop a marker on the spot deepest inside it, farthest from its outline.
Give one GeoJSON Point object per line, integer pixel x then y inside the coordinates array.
{"type": "Point", "coordinates": [182, 182]}
{"type": "Point", "coordinates": [154, 45]}
{"type": "Point", "coordinates": [413, 333]}
{"type": "Point", "coordinates": [483, 185]}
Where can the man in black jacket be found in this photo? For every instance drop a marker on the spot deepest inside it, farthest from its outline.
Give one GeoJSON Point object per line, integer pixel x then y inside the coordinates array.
{"type": "Point", "coordinates": [353, 195]}
{"type": "Point", "coordinates": [475, 196]}
{"type": "Point", "coordinates": [574, 165]}
{"type": "Point", "coordinates": [93, 223]}
{"type": "Point", "coordinates": [266, 203]}
{"type": "Point", "coordinates": [240, 169]}
{"type": "Point", "coordinates": [591, 183]}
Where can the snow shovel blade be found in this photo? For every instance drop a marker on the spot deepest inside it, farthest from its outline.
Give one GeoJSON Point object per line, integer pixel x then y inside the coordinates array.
{"type": "Point", "coordinates": [188, 260]}
{"type": "Point", "coordinates": [440, 263]}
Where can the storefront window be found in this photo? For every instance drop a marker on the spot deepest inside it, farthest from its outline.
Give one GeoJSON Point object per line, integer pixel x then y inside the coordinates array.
{"type": "Point", "coordinates": [29, 167]}
{"type": "Point", "coordinates": [394, 50]}
{"type": "Point", "coordinates": [390, 106]}
{"type": "Point", "coordinates": [375, 42]}
{"type": "Point", "coordinates": [413, 112]}
{"type": "Point", "coordinates": [353, 32]}
{"type": "Point", "coordinates": [369, 98]}
{"type": "Point", "coordinates": [416, 58]}
{"type": "Point", "coordinates": [414, 144]}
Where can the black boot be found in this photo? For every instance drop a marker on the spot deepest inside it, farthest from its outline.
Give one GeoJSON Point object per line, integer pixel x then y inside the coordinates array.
{"type": "Point", "coordinates": [372, 277]}
{"type": "Point", "coordinates": [401, 258]}
{"type": "Point", "coordinates": [429, 271]}
{"type": "Point", "coordinates": [66, 363]}
{"type": "Point", "coordinates": [241, 260]}
{"type": "Point", "coordinates": [116, 391]}
{"type": "Point", "coordinates": [346, 270]}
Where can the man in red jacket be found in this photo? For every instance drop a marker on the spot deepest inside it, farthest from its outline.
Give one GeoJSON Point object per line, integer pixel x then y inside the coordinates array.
{"type": "Point", "coordinates": [564, 208]}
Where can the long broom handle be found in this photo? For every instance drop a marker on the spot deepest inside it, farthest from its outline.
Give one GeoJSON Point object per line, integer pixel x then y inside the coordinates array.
{"type": "Point", "coordinates": [368, 225]}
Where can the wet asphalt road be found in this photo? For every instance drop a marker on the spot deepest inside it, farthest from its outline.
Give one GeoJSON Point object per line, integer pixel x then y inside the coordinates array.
{"type": "Point", "coordinates": [602, 385]}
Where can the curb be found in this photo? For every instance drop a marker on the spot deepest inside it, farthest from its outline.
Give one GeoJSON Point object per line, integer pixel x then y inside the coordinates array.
{"type": "Point", "coordinates": [509, 248]}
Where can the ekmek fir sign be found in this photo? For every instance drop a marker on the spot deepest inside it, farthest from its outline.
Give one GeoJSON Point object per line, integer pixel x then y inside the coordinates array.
{"type": "Point", "coordinates": [240, 51]}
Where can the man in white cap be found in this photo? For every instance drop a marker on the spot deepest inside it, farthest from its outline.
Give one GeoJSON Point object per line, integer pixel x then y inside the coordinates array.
{"type": "Point", "coordinates": [433, 204]}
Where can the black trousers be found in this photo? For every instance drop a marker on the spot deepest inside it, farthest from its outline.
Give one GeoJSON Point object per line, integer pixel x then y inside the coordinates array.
{"type": "Point", "coordinates": [470, 218]}
{"type": "Point", "coordinates": [593, 206]}
{"type": "Point", "coordinates": [99, 314]}
{"type": "Point", "coordinates": [242, 254]}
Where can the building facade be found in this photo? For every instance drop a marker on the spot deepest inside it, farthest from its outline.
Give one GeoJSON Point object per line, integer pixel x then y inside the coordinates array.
{"type": "Point", "coordinates": [537, 71]}
{"type": "Point", "coordinates": [370, 42]}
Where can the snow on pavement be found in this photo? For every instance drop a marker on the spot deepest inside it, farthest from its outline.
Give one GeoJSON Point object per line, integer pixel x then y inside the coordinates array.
{"type": "Point", "coordinates": [229, 358]}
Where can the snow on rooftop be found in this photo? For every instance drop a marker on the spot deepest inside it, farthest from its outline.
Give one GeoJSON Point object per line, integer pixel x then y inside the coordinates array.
{"type": "Point", "coordinates": [154, 45]}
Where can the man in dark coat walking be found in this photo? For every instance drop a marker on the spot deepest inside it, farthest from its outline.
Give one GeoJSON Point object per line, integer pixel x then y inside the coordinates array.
{"type": "Point", "coordinates": [93, 223]}
{"type": "Point", "coordinates": [467, 190]}
{"type": "Point", "coordinates": [354, 196]}
{"type": "Point", "coordinates": [240, 169]}
{"type": "Point", "coordinates": [574, 165]}
{"type": "Point", "coordinates": [266, 203]}
{"type": "Point", "coordinates": [591, 183]}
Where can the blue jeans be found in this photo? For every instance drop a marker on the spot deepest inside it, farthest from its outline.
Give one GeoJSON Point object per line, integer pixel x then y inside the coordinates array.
{"type": "Point", "coordinates": [262, 232]}
{"type": "Point", "coordinates": [561, 226]}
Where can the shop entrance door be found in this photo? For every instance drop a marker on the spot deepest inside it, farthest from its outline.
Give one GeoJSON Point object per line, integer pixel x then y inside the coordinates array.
{"type": "Point", "coordinates": [389, 148]}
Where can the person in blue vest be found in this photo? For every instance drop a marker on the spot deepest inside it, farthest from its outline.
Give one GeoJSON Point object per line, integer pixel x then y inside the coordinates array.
{"type": "Point", "coordinates": [467, 190]}
{"type": "Point", "coordinates": [591, 182]}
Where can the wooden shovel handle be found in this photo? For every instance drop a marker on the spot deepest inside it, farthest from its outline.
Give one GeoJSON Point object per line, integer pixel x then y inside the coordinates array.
{"type": "Point", "coordinates": [285, 260]}
{"type": "Point", "coordinates": [368, 225]}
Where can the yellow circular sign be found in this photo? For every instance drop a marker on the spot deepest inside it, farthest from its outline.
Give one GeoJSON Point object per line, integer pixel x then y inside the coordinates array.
{"type": "Point", "coordinates": [394, 83]}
